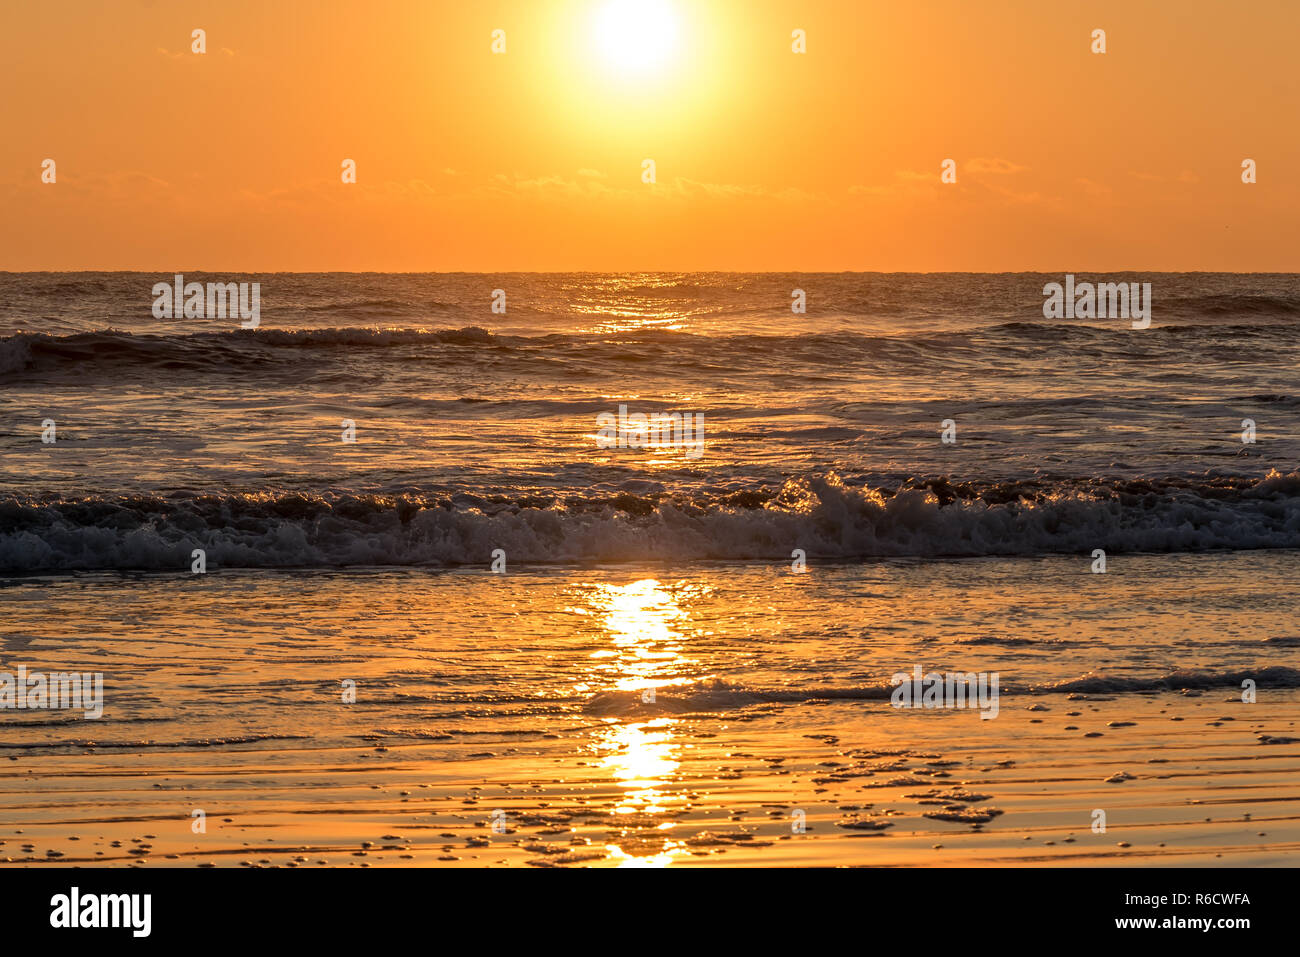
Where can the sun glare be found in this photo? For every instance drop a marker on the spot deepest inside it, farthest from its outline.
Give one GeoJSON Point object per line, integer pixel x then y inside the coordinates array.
{"type": "Point", "coordinates": [636, 36]}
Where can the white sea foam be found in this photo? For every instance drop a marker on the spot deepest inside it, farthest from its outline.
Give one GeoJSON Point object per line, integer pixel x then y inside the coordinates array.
{"type": "Point", "coordinates": [819, 514]}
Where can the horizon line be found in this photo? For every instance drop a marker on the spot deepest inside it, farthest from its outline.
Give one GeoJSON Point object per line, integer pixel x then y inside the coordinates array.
{"type": "Point", "coordinates": [705, 272]}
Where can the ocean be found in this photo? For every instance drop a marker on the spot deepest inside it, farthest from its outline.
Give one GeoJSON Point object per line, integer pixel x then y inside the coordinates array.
{"type": "Point", "coordinates": [919, 470]}
{"type": "Point", "coordinates": [476, 431]}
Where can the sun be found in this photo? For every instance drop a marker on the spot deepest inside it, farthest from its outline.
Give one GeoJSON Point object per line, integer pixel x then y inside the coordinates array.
{"type": "Point", "coordinates": [636, 36]}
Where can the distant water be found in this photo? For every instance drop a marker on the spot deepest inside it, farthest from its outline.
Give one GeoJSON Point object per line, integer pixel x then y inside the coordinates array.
{"type": "Point", "coordinates": [475, 430]}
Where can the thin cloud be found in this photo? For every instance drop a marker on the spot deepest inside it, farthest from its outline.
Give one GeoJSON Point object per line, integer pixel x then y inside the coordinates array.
{"type": "Point", "coordinates": [1000, 167]}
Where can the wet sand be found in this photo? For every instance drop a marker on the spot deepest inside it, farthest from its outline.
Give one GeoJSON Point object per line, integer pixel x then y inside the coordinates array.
{"type": "Point", "coordinates": [1186, 779]}
{"type": "Point", "coordinates": [650, 715]}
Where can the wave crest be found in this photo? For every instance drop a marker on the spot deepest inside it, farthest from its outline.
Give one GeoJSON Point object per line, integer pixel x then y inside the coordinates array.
{"type": "Point", "coordinates": [819, 514]}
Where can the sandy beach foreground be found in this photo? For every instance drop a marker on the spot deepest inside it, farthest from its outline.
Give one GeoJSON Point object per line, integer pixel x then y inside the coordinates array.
{"type": "Point", "coordinates": [1188, 779]}
{"type": "Point", "coordinates": [1182, 779]}
{"type": "Point", "coordinates": [623, 719]}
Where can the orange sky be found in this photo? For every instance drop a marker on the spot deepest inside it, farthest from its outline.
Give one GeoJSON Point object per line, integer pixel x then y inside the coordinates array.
{"type": "Point", "coordinates": [766, 159]}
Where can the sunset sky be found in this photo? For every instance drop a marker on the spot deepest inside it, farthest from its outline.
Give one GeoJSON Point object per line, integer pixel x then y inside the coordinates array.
{"type": "Point", "coordinates": [765, 159]}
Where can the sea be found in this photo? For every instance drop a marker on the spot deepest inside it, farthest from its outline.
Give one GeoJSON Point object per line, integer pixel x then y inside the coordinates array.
{"type": "Point", "coordinates": [400, 481]}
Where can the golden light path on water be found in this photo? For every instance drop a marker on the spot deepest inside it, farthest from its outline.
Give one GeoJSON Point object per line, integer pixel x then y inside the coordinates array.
{"type": "Point", "coordinates": [642, 620]}
{"type": "Point", "coordinates": [638, 302]}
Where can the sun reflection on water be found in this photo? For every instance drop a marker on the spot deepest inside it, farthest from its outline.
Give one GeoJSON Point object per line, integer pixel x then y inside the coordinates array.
{"type": "Point", "coordinates": [643, 622]}
{"type": "Point", "coordinates": [634, 303]}
{"type": "Point", "coordinates": [641, 758]}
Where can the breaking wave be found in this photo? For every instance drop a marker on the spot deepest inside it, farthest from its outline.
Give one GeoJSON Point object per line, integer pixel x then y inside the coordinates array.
{"type": "Point", "coordinates": [819, 514]}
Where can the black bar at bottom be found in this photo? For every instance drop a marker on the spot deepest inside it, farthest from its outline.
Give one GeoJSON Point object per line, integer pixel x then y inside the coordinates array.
{"type": "Point", "coordinates": [875, 906]}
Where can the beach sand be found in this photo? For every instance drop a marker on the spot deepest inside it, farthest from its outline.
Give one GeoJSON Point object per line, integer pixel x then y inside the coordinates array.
{"type": "Point", "coordinates": [222, 696]}
{"type": "Point", "coordinates": [1200, 787]}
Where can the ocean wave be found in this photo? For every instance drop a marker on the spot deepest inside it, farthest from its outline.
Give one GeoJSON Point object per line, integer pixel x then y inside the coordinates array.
{"type": "Point", "coordinates": [819, 514]}
{"type": "Point", "coordinates": [721, 695]}
{"type": "Point", "coordinates": [1232, 304]}
{"type": "Point", "coordinates": [904, 348]}
{"type": "Point", "coordinates": [1274, 676]}
{"type": "Point", "coordinates": [40, 352]}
